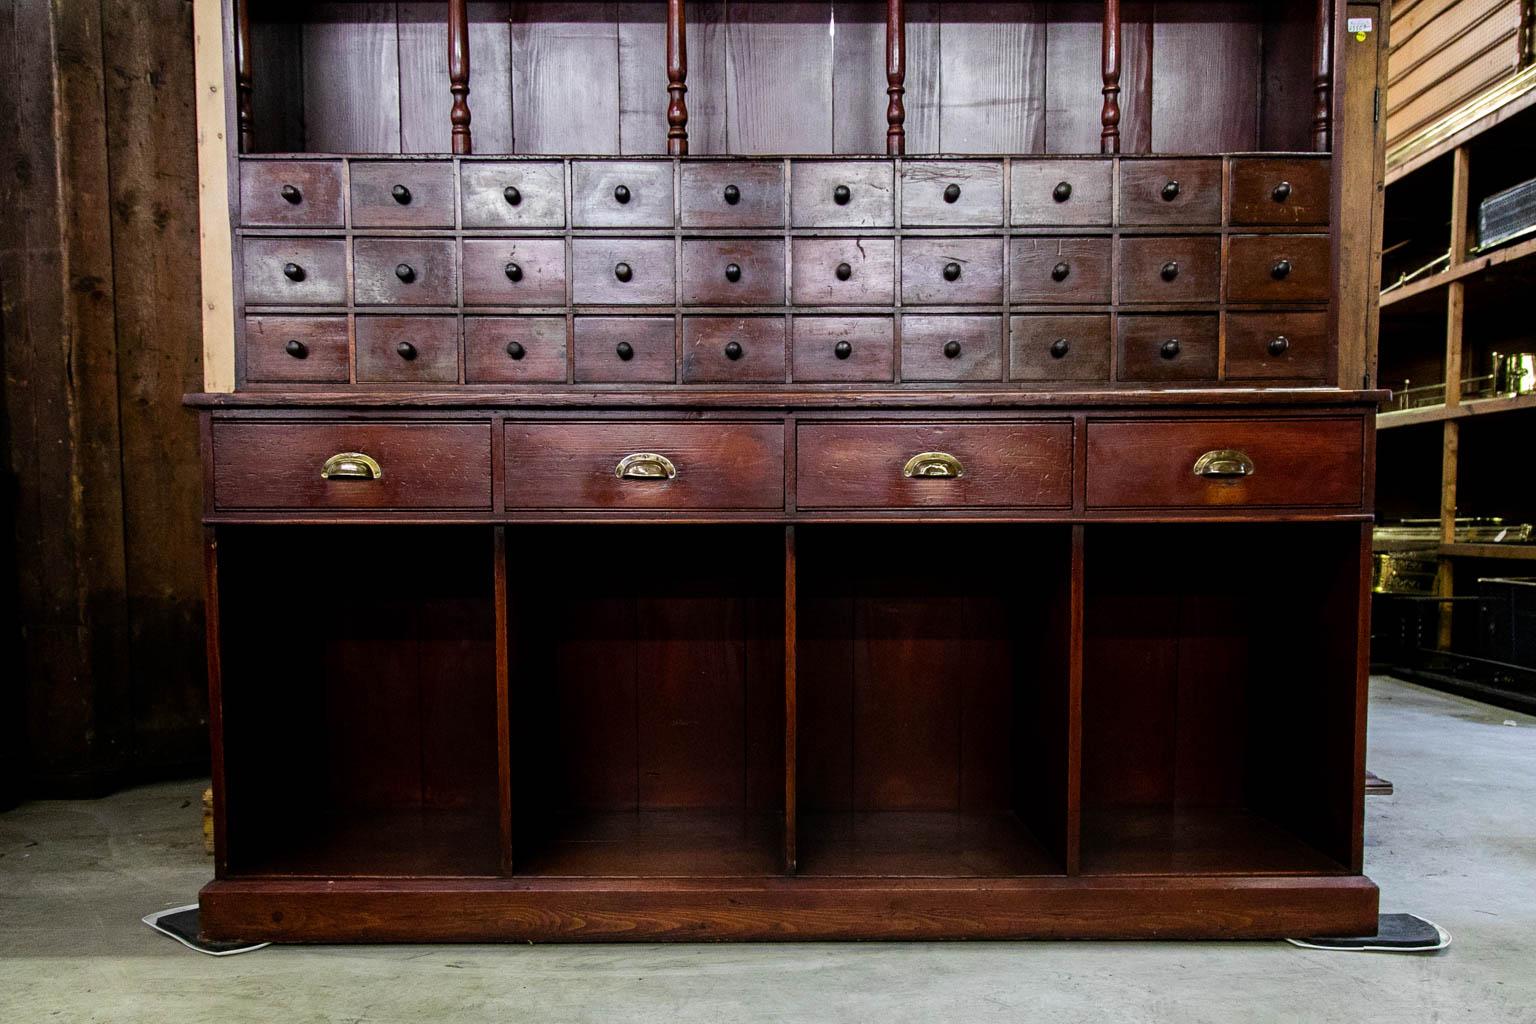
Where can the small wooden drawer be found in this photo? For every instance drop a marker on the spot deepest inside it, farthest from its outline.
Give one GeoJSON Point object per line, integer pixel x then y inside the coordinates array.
{"type": "Point", "coordinates": [514, 271]}
{"type": "Point", "coordinates": [951, 270]}
{"type": "Point", "coordinates": [623, 271]}
{"type": "Point", "coordinates": [1170, 268]}
{"type": "Point", "coordinates": [843, 272]}
{"type": "Point", "coordinates": [938, 193]}
{"type": "Point", "coordinates": [1157, 348]}
{"type": "Point", "coordinates": [621, 349]}
{"type": "Point", "coordinates": [624, 466]}
{"type": "Point", "coordinates": [512, 194]}
{"type": "Point", "coordinates": [291, 193]}
{"type": "Point", "coordinates": [1278, 346]}
{"type": "Point", "coordinates": [300, 349]}
{"type": "Point", "coordinates": [733, 272]}
{"type": "Point", "coordinates": [1280, 191]}
{"type": "Point", "coordinates": [733, 349]}
{"type": "Point", "coordinates": [402, 194]}
{"type": "Point", "coordinates": [1053, 268]}
{"type": "Point", "coordinates": [621, 193]}
{"type": "Point", "coordinates": [955, 348]}
{"type": "Point", "coordinates": [273, 465]}
{"type": "Point", "coordinates": [1059, 346]}
{"type": "Point", "coordinates": [841, 194]}
{"type": "Point", "coordinates": [1047, 193]}
{"type": "Point", "coordinates": [1279, 462]}
{"type": "Point", "coordinates": [1278, 268]}
{"type": "Point", "coordinates": [295, 271]}
{"type": "Point", "coordinates": [407, 349]}
{"type": "Point", "coordinates": [514, 349]}
{"type": "Point", "coordinates": [843, 349]}
{"type": "Point", "coordinates": [992, 464]}
{"type": "Point", "coordinates": [1170, 191]}
{"type": "Point", "coordinates": [736, 194]}
{"type": "Point", "coordinates": [404, 271]}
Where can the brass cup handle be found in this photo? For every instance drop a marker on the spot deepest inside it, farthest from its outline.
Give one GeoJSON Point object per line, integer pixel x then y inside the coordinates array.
{"type": "Point", "coordinates": [351, 466]}
{"type": "Point", "coordinates": [935, 465]}
{"type": "Point", "coordinates": [645, 466]}
{"type": "Point", "coordinates": [1224, 464]}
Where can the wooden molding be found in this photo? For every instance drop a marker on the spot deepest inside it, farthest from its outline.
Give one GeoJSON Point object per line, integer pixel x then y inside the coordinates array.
{"type": "Point", "coordinates": [213, 127]}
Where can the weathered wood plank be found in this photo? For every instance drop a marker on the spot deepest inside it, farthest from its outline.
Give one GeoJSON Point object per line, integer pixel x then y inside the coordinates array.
{"type": "Point", "coordinates": [565, 81]}
{"type": "Point", "coordinates": [352, 79]}
{"type": "Point", "coordinates": [777, 105]}
{"type": "Point", "coordinates": [992, 78]}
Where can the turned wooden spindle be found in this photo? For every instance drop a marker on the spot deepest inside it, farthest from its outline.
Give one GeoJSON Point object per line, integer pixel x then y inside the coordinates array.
{"type": "Point", "coordinates": [458, 74]}
{"type": "Point", "coordinates": [677, 79]}
{"type": "Point", "coordinates": [1322, 82]}
{"type": "Point", "coordinates": [244, 114]}
{"type": "Point", "coordinates": [1109, 138]}
{"type": "Point", "coordinates": [896, 76]}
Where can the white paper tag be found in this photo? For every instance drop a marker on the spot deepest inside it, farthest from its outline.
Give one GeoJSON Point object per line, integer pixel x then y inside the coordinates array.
{"type": "Point", "coordinates": [1356, 26]}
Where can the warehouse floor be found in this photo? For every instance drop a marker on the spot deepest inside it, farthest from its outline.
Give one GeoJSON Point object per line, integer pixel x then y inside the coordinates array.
{"type": "Point", "coordinates": [1456, 844]}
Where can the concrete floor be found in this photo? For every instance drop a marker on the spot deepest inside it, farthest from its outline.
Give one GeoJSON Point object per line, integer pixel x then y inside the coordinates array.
{"type": "Point", "coordinates": [1457, 844]}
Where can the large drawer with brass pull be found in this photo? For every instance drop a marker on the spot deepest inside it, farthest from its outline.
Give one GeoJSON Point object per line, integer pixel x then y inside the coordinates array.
{"type": "Point", "coordinates": [964, 464]}
{"type": "Point", "coordinates": [1240, 463]}
{"type": "Point", "coordinates": [640, 465]}
{"type": "Point", "coordinates": [352, 465]}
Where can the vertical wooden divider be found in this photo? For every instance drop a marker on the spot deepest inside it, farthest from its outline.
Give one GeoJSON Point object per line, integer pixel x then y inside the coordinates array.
{"type": "Point", "coordinates": [677, 78]}
{"type": "Point", "coordinates": [244, 111]}
{"type": "Point", "coordinates": [1074, 858]}
{"type": "Point", "coordinates": [458, 75]}
{"type": "Point", "coordinates": [1109, 117]}
{"type": "Point", "coordinates": [1322, 82]}
{"type": "Point", "coordinates": [896, 77]}
{"type": "Point", "coordinates": [503, 699]}
{"type": "Point", "coordinates": [791, 814]}
{"type": "Point", "coordinates": [211, 626]}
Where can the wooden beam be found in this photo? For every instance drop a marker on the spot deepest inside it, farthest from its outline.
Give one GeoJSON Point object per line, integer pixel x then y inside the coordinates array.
{"type": "Point", "coordinates": [896, 77]}
{"type": "Point", "coordinates": [214, 117]}
{"type": "Point", "coordinates": [458, 75]}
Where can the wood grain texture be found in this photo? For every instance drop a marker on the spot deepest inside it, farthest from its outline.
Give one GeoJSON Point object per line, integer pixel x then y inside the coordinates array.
{"type": "Point", "coordinates": [596, 193]}
{"type": "Point", "coordinates": [424, 97]}
{"type": "Point", "coordinates": [706, 349]}
{"type": "Point", "coordinates": [642, 69]}
{"type": "Point", "coordinates": [774, 105]}
{"type": "Point", "coordinates": [1059, 268]}
{"type": "Point", "coordinates": [1278, 268]}
{"type": "Point", "coordinates": [1147, 198]}
{"type": "Point", "coordinates": [538, 355]}
{"type": "Point", "coordinates": [407, 349]}
{"type": "Point", "coordinates": [1036, 352]}
{"type": "Point", "coordinates": [992, 78]}
{"type": "Point", "coordinates": [405, 272]}
{"type": "Point", "coordinates": [315, 186]}
{"type": "Point", "coordinates": [759, 191]}
{"type": "Point", "coordinates": [951, 347]}
{"type": "Point", "coordinates": [1038, 198]}
{"type": "Point", "coordinates": [565, 82]}
{"type": "Point", "coordinates": [1144, 354]}
{"type": "Point", "coordinates": [537, 199]}
{"type": "Point", "coordinates": [427, 202]}
{"type": "Point", "coordinates": [814, 194]}
{"type": "Point", "coordinates": [951, 270]}
{"type": "Point", "coordinates": [351, 78]}
{"type": "Point", "coordinates": [1170, 268]}
{"type": "Point", "coordinates": [1073, 84]}
{"type": "Point", "coordinates": [1211, 104]}
{"type": "Point", "coordinates": [323, 355]}
{"type": "Point", "coordinates": [927, 188]}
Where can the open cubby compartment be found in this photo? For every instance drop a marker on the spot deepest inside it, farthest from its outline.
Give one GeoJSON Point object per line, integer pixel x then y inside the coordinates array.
{"type": "Point", "coordinates": [768, 77]}
{"type": "Point", "coordinates": [1416, 223]}
{"type": "Point", "coordinates": [359, 700]}
{"type": "Point", "coordinates": [647, 699]}
{"type": "Point", "coordinates": [1411, 361]}
{"type": "Point", "coordinates": [932, 696]}
{"type": "Point", "coordinates": [1221, 699]}
{"type": "Point", "coordinates": [1408, 472]}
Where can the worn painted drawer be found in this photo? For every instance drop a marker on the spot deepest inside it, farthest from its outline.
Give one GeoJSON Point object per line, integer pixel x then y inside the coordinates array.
{"type": "Point", "coordinates": [1182, 192]}
{"type": "Point", "coordinates": [621, 193]}
{"type": "Point", "coordinates": [733, 349]}
{"type": "Point", "coordinates": [1050, 193]}
{"type": "Point", "coordinates": [623, 271]}
{"type": "Point", "coordinates": [404, 271]}
{"type": "Point", "coordinates": [841, 194]}
{"type": "Point", "coordinates": [407, 349]}
{"type": "Point", "coordinates": [512, 194]}
{"type": "Point", "coordinates": [513, 271]}
{"type": "Point", "coordinates": [1280, 191]}
{"type": "Point", "coordinates": [294, 271]}
{"type": "Point", "coordinates": [938, 193]}
{"type": "Point", "coordinates": [733, 271]}
{"type": "Point", "coordinates": [1059, 346]}
{"type": "Point", "coordinates": [514, 349]}
{"type": "Point", "coordinates": [947, 271]}
{"type": "Point", "coordinates": [402, 194]}
{"type": "Point", "coordinates": [1278, 268]}
{"type": "Point", "coordinates": [296, 349]}
{"type": "Point", "coordinates": [1058, 268]}
{"type": "Point", "coordinates": [733, 194]}
{"type": "Point", "coordinates": [843, 272]}
{"type": "Point", "coordinates": [291, 193]}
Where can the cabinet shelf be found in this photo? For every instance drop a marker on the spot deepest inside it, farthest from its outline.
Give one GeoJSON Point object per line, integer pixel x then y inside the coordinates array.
{"type": "Point", "coordinates": [1441, 413]}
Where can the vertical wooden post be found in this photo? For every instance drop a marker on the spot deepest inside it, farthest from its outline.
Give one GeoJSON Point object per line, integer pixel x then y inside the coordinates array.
{"type": "Point", "coordinates": [677, 78]}
{"type": "Point", "coordinates": [896, 76]}
{"type": "Point", "coordinates": [458, 75]}
{"type": "Point", "coordinates": [244, 113]}
{"type": "Point", "coordinates": [1322, 81]}
{"type": "Point", "coordinates": [1109, 138]}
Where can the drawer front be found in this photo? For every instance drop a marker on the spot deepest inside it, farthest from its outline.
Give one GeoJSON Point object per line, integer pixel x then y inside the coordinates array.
{"type": "Point", "coordinates": [1158, 348]}
{"type": "Point", "coordinates": [1278, 268]}
{"type": "Point", "coordinates": [844, 272]}
{"type": "Point", "coordinates": [291, 193]}
{"type": "Point", "coordinates": [843, 349]}
{"type": "Point", "coordinates": [830, 193]}
{"type": "Point", "coordinates": [422, 465]}
{"type": "Point", "coordinates": [402, 194]}
{"type": "Point", "coordinates": [297, 349]}
{"type": "Point", "coordinates": [1170, 192]}
{"type": "Point", "coordinates": [621, 194]}
{"type": "Point", "coordinates": [407, 349]}
{"type": "Point", "coordinates": [951, 348]}
{"type": "Point", "coordinates": [1278, 346]}
{"type": "Point", "coordinates": [741, 194]}
{"type": "Point", "coordinates": [295, 271]}
{"type": "Point", "coordinates": [1057, 269]}
{"type": "Point", "coordinates": [733, 272]}
{"type": "Point", "coordinates": [514, 271]}
{"type": "Point", "coordinates": [1062, 192]}
{"type": "Point", "coordinates": [1290, 462]}
{"type": "Point", "coordinates": [577, 465]}
{"type": "Point", "coordinates": [733, 349]}
{"type": "Point", "coordinates": [618, 349]}
{"type": "Point", "coordinates": [512, 194]}
{"type": "Point", "coordinates": [937, 193]}
{"type": "Point", "coordinates": [514, 349]}
{"type": "Point", "coordinates": [850, 465]}
{"type": "Point", "coordinates": [951, 270]}
{"type": "Point", "coordinates": [623, 271]}
{"type": "Point", "coordinates": [1066, 346]}
{"type": "Point", "coordinates": [404, 271]}
{"type": "Point", "coordinates": [1280, 191]}
{"type": "Point", "coordinates": [1170, 268]}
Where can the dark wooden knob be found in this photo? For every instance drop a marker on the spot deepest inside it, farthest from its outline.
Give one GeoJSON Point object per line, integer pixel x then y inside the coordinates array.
{"type": "Point", "coordinates": [732, 195]}
{"type": "Point", "coordinates": [1281, 192]}
{"type": "Point", "coordinates": [292, 194]}
{"type": "Point", "coordinates": [951, 193]}
{"type": "Point", "coordinates": [1279, 345]}
{"type": "Point", "coordinates": [841, 195]}
{"type": "Point", "coordinates": [842, 350]}
{"type": "Point", "coordinates": [405, 272]}
{"type": "Point", "coordinates": [951, 271]}
{"type": "Point", "coordinates": [1060, 271]}
{"type": "Point", "coordinates": [511, 195]}
{"type": "Point", "coordinates": [621, 193]}
{"type": "Point", "coordinates": [515, 349]}
{"type": "Point", "coordinates": [951, 349]}
{"type": "Point", "coordinates": [406, 350]}
{"type": "Point", "coordinates": [1062, 192]}
{"type": "Point", "coordinates": [1170, 270]}
{"type": "Point", "coordinates": [625, 350]}
{"type": "Point", "coordinates": [623, 272]}
{"type": "Point", "coordinates": [1170, 191]}
{"type": "Point", "coordinates": [732, 272]}
{"type": "Point", "coordinates": [733, 350]}
{"type": "Point", "coordinates": [514, 272]}
{"type": "Point", "coordinates": [1281, 270]}
{"type": "Point", "coordinates": [299, 350]}
{"type": "Point", "coordinates": [401, 193]}
{"type": "Point", "coordinates": [1059, 348]}
{"type": "Point", "coordinates": [293, 272]}
{"type": "Point", "coordinates": [1169, 349]}
{"type": "Point", "coordinates": [844, 271]}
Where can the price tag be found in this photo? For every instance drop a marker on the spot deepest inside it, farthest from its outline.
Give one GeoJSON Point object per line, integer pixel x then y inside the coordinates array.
{"type": "Point", "coordinates": [1359, 28]}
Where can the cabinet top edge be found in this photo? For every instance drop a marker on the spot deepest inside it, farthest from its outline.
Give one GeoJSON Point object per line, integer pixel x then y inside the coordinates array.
{"type": "Point", "coordinates": [776, 157]}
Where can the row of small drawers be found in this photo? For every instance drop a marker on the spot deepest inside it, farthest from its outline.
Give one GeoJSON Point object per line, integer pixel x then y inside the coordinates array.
{"type": "Point", "coordinates": [823, 271]}
{"type": "Point", "coordinates": [822, 193]}
{"type": "Point", "coordinates": [649, 465]}
{"type": "Point", "coordinates": [740, 350]}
